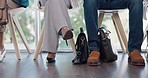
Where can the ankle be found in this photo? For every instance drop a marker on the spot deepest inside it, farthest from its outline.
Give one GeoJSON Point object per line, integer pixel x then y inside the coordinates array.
{"type": "Point", "coordinates": [63, 30]}
{"type": "Point", "coordinates": [95, 52]}
{"type": "Point", "coordinates": [1, 47]}
{"type": "Point", "coordinates": [51, 55]}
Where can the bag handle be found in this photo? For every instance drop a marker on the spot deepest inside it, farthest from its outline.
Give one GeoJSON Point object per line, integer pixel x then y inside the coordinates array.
{"type": "Point", "coordinates": [106, 31]}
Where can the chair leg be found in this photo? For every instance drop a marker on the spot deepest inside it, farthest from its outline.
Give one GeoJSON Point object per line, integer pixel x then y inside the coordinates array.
{"type": "Point", "coordinates": [72, 42]}
{"type": "Point", "coordinates": [20, 31]}
{"type": "Point", "coordinates": [39, 45]}
{"type": "Point", "coordinates": [14, 38]}
{"type": "Point", "coordinates": [146, 35]}
{"type": "Point", "coordinates": [38, 48]}
{"type": "Point", "coordinates": [119, 36]}
{"type": "Point", "coordinates": [119, 26]}
{"type": "Point", "coordinates": [147, 56]}
{"type": "Point", "coordinates": [100, 19]}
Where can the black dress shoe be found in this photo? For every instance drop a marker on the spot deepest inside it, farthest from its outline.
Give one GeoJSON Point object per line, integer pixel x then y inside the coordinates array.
{"type": "Point", "coordinates": [50, 60]}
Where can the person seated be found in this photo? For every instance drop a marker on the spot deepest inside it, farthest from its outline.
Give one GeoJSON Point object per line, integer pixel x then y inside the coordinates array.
{"type": "Point", "coordinates": [135, 40]}
{"type": "Point", "coordinates": [57, 23]}
{"type": "Point", "coordinates": [12, 4]}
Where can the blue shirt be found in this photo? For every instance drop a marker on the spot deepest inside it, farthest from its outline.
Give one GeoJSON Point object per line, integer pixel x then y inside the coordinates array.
{"type": "Point", "coordinates": [22, 3]}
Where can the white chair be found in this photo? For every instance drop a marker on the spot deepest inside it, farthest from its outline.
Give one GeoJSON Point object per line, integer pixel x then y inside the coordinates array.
{"type": "Point", "coordinates": [118, 26]}
{"type": "Point", "coordinates": [15, 23]}
{"type": "Point", "coordinates": [39, 44]}
{"type": "Point", "coordinates": [145, 4]}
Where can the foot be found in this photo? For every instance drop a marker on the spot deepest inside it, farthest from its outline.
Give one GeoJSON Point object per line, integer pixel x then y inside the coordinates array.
{"type": "Point", "coordinates": [51, 57]}
{"type": "Point", "coordinates": [66, 33]}
{"type": "Point", "coordinates": [2, 54]}
{"type": "Point", "coordinates": [94, 58]}
{"type": "Point", "coordinates": [135, 58]}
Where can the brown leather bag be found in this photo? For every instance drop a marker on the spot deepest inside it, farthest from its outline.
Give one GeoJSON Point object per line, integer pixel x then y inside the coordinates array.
{"type": "Point", "coordinates": [3, 12]}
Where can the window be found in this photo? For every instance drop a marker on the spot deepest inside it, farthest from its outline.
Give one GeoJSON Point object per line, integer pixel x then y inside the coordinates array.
{"type": "Point", "coordinates": [30, 23]}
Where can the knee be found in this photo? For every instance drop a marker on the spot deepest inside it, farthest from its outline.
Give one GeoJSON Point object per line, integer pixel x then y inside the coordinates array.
{"type": "Point", "coordinates": [90, 3]}
{"type": "Point", "coordinates": [136, 2]}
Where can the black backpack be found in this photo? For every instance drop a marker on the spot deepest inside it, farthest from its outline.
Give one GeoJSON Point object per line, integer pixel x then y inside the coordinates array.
{"type": "Point", "coordinates": [81, 49]}
{"type": "Point", "coordinates": [106, 51]}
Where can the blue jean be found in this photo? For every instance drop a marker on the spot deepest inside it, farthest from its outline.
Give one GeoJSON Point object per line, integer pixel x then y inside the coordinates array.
{"type": "Point", "coordinates": [135, 20]}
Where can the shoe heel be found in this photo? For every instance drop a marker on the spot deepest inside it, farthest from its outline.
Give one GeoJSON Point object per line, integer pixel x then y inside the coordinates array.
{"type": "Point", "coordinates": [66, 42]}
{"type": "Point", "coordinates": [68, 35]}
{"type": "Point", "coordinates": [50, 60]}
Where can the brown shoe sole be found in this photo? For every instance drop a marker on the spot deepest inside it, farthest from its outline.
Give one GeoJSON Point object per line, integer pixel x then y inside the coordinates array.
{"type": "Point", "coordinates": [94, 63]}
{"type": "Point", "coordinates": [68, 35]}
{"type": "Point", "coordinates": [136, 63]}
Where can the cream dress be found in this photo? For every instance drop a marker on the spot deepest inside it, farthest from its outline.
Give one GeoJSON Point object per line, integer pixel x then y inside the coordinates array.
{"type": "Point", "coordinates": [56, 16]}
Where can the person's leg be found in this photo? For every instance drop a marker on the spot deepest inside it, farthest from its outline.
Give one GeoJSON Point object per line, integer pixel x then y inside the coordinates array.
{"type": "Point", "coordinates": [135, 27]}
{"type": "Point", "coordinates": [12, 5]}
{"type": "Point", "coordinates": [2, 30]}
{"type": "Point", "coordinates": [2, 48]}
{"type": "Point", "coordinates": [61, 17]}
{"type": "Point", "coordinates": [135, 31]}
{"type": "Point", "coordinates": [135, 24]}
{"type": "Point", "coordinates": [56, 17]}
{"type": "Point", "coordinates": [50, 37]}
{"type": "Point", "coordinates": [1, 41]}
{"type": "Point", "coordinates": [91, 21]}
{"type": "Point", "coordinates": [56, 20]}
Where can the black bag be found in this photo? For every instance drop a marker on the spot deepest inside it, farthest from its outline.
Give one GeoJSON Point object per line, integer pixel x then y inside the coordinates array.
{"type": "Point", "coordinates": [81, 49]}
{"type": "Point", "coordinates": [106, 51]}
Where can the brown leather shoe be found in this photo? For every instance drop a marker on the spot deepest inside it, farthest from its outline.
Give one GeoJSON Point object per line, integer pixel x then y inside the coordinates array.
{"type": "Point", "coordinates": [94, 58]}
{"type": "Point", "coordinates": [66, 33]}
{"type": "Point", "coordinates": [135, 58]}
{"type": "Point", "coordinates": [51, 57]}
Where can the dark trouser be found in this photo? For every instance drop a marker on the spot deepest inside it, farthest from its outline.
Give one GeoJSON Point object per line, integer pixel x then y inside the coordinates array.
{"type": "Point", "coordinates": [135, 20]}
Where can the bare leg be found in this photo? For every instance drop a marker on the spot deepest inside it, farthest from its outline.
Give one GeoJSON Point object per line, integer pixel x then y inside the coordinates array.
{"type": "Point", "coordinates": [1, 41]}
{"type": "Point", "coordinates": [2, 49]}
